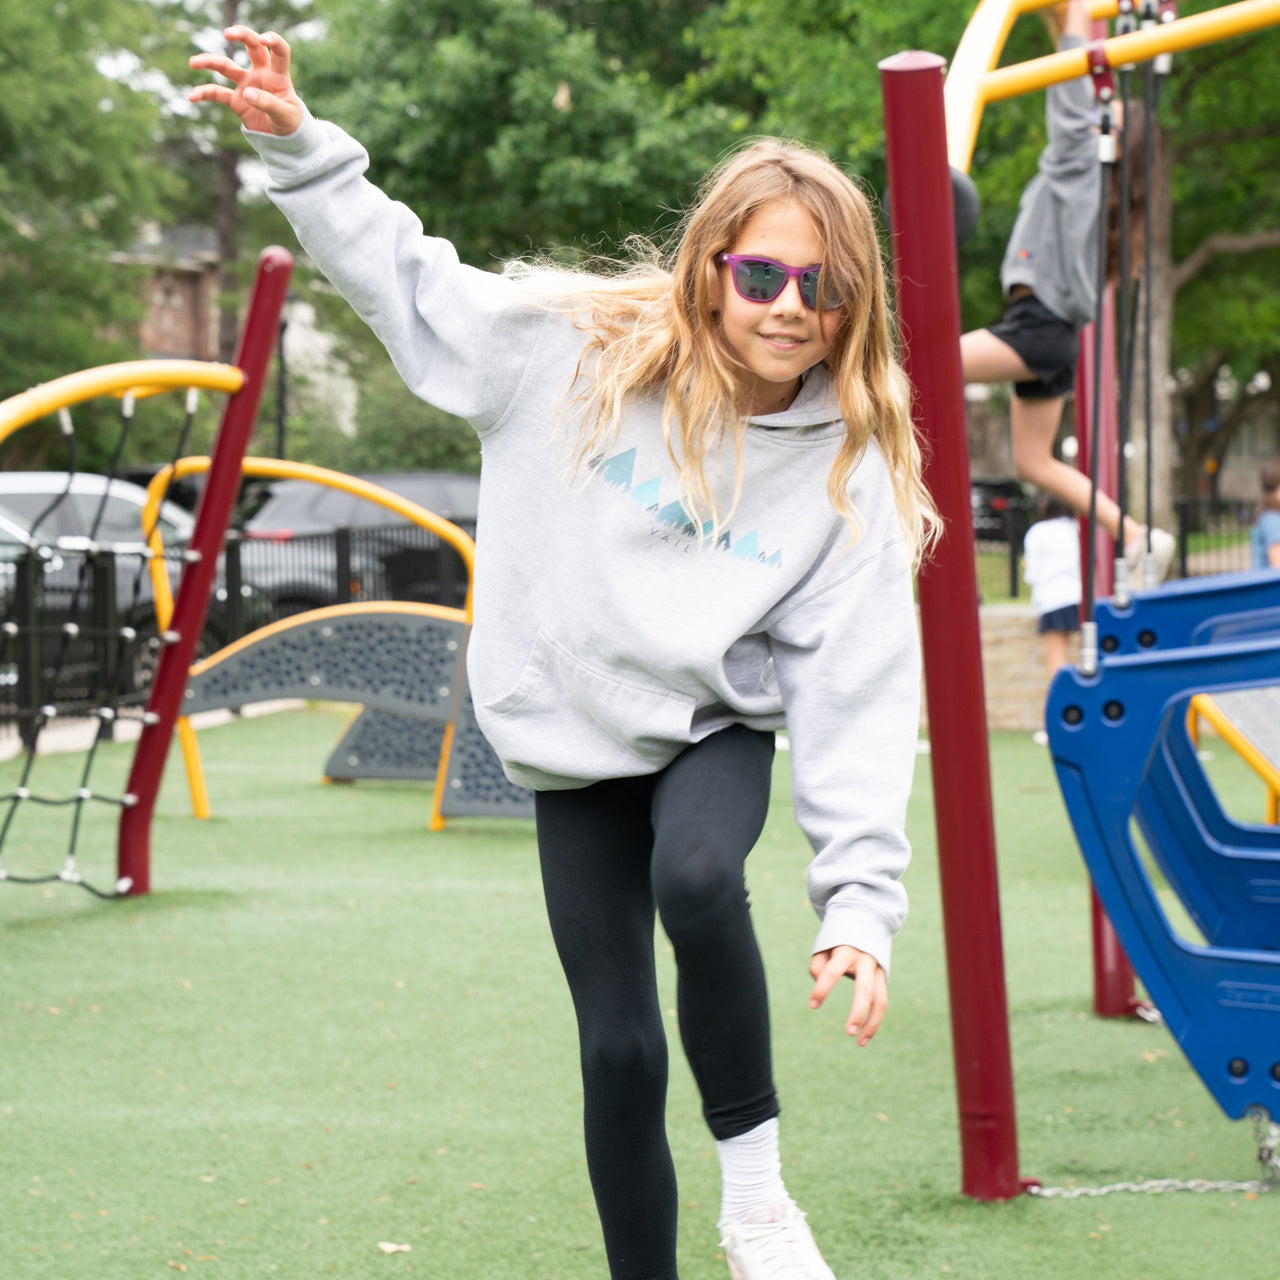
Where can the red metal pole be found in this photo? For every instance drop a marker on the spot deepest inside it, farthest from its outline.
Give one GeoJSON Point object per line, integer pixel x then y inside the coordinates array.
{"type": "Point", "coordinates": [257, 341]}
{"type": "Point", "coordinates": [929, 316]}
{"type": "Point", "coordinates": [1113, 978]}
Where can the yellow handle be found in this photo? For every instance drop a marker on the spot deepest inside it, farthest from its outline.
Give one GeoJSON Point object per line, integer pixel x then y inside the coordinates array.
{"type": "Point", "coordinates": [139, 377]}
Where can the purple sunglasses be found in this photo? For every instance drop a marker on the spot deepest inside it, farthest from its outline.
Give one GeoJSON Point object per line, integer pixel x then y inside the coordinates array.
{"type": "Point", "coordinates": [760, 279]}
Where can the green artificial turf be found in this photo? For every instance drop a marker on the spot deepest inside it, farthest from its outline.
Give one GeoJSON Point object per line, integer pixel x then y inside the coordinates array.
{"type": "Point", "coordinates": [327, 1028]}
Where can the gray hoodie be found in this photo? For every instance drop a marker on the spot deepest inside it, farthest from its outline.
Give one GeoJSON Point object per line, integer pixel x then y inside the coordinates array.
{"type": "Point", "coordinates": [1054, 246]}
{"type": "Point", "coordinates": [608, 635]}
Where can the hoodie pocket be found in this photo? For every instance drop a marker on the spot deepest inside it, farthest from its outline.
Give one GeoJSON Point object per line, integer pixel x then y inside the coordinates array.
{"type": "Point", "coordinates": [568, 719]}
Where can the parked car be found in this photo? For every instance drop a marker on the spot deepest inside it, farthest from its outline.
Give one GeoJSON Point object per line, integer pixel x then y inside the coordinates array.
{"type": "Point", "coordinates": [992, 499]}
{"type": "Point", "coordinates": [60, 514]}
{"type": "Point", "coordinates": [289, 548]}
{"type": "Point", "coordinates": [28, 496]}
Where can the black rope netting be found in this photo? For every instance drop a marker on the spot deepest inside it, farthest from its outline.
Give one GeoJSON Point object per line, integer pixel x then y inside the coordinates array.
{"type": "Point", "coordinates": [89, 665]}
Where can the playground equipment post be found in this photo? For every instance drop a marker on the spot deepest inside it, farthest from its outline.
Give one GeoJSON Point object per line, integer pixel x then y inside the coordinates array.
{"type": "Point", "coordinates": [928, 302]}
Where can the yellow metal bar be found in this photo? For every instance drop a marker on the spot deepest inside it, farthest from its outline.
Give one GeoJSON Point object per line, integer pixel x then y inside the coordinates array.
{"type": "Point", "coordinates": [195, 769]}
{"type": "Point", "coordinates": [1137, 46]}
{"type": "Point", "coordinates": [142, 377]}
{"type": "Point", "coordinates": [1203, 705]}
{"type": "Point", "coordinates": [436, 821]}
{"type": "Point", "coordinates": [977, 53]}
{"type": "Point", "coordinates": [973, 80]}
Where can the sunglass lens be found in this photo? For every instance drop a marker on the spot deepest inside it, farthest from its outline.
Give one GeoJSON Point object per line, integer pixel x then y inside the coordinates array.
{"type": "Point", "coordinates": [758, 281]}
{"type": "Point", "coordinates": [809, 288]}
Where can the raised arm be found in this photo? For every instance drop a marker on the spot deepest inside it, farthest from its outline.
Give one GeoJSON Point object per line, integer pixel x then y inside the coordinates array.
{"type": "Point", "coordinates": [262, 93]}
{"type": "Point", "coordinates": [461, 338]}
{"type": "Point", "coordinates": [1070, 19]}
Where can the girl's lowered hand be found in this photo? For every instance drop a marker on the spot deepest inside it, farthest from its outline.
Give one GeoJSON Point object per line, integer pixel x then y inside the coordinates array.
{"type": "Point", "coordinates": [871, 997]}
{"type": "Point", "coordinates": [261, 94]}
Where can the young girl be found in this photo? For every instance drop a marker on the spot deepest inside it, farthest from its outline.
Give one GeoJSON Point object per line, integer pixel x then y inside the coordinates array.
{"type": "Point", "coordinates": [1049, 276]}
{"type": "Point", "coordinates": [1051, 567]}
{"type": "Point", "coordinates": [1264, 537]}
{"type": "Point", "coordinates": [699, 511]}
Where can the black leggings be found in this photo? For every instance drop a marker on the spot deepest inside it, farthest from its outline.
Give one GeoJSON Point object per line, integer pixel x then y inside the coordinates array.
{"type": "Point", "coordinates": [612, 853]}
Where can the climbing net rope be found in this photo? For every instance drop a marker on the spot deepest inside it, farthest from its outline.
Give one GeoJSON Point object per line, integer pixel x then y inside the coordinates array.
{"type": "Point", "coordinates": [72, 637]}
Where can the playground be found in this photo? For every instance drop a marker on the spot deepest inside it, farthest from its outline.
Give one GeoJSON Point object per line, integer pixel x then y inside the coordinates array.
{"type": "Point", "coordinates": [256, 1023]}
{"type": "Point", "coordinates": [323, 1031]}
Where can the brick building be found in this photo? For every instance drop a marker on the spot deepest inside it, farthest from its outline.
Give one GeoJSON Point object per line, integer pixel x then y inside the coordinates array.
{"type": "Point", "coordinates": [181, 292]}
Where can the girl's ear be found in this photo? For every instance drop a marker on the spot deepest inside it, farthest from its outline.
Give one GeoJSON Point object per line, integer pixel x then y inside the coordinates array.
{"type": "Point", "coordinates": [713, 278]}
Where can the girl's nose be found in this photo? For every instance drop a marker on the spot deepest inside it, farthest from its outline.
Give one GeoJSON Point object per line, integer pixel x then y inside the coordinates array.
{"type": "Point", "coordinates": [789, 302]}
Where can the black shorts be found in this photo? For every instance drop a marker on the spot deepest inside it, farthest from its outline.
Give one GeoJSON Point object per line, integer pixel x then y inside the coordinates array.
{"type": "Point", "coordinates": [1065, 619]}
{"type": "Point", "coordinates": [1047, 344]}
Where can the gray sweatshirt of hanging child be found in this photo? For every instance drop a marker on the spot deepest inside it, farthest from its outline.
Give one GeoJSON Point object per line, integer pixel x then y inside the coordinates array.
{"type": "Point", "coordinates": [1054, 245]}
{"type": "Point", "coordinates": [607, 636]}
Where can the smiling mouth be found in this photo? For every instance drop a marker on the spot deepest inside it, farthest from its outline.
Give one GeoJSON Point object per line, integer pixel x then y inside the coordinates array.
{"type": "Point", "coordinates": [783, 339]}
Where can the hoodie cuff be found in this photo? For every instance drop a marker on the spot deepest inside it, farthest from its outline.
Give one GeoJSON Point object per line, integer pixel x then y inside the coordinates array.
{"type": "Point", "coordinates": [303, 139]}
{"type": "Point", "coordinates": [852, 925]}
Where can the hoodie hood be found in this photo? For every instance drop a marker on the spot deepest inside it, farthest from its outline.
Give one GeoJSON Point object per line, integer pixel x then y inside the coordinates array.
{"type": "Point", "coordinates": [814, 406]}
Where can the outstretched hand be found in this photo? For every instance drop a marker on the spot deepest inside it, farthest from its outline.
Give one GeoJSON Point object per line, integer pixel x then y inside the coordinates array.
{"type": "Point", "coordinates": [870, 999]}
{"type": "Point", "coordinates": [262, 93]}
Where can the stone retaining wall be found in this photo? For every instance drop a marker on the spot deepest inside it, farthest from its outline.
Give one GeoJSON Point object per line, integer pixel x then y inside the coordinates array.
{"type": "Point", "coordinates": [1014, 674]}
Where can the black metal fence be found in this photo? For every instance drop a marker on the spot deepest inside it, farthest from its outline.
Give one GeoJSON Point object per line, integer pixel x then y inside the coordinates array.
{"type": "Point", "coordinates": [78, 629]}
{"type": "Point", "coordinates": [288, 574]}
{"type": "Point", "coordinates": [1212, 537]}
{"type": "Point", "coordinates": [998, 546]}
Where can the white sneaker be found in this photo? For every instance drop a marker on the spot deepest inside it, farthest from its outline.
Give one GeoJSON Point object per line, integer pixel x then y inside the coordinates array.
{"type": "Point", "coordinates": [774, 1243]}
{"type": "Point", "coordinates": [1163, 546]}
{"type": "Point", "coordinates": [1134, 550]}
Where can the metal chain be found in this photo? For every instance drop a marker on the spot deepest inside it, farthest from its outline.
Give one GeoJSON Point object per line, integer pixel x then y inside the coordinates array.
{"type": "Point", "coordinates": [1266, 1135]}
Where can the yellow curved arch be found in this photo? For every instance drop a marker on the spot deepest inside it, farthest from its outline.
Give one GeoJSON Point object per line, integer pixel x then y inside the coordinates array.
{"type": "Point", "coordinates": [410, 608]}
{"type": "Point", "coordinates": [1204, 705]}
{"type": "Point", "coordinates": [973, 79]}
{"type": "Point", "coordinates": [139, 377]}
{"type": "Point", "coordinates": [278, 469]}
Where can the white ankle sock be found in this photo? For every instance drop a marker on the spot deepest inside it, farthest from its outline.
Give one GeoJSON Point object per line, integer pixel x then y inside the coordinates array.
{"type": "Point", "coordinates": [750, 1172]}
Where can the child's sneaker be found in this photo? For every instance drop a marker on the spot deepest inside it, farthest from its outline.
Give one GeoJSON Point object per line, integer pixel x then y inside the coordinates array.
{"type": "Point", "coordinates": [1163, 546]}
{"type": "Point", "coordinates": [774, 1243]}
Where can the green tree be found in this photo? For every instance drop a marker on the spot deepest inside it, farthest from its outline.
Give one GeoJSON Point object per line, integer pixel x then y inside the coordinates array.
{"type": "Point", "coordinates": [205, 145]}
{"type": "Point", "coordinates": [75, 176]}
{"type": "Point", "coordinates": [1216, 260]}
{"type": "Point", "coordinates": [507, 127]}
{"type": "Point", "coordinates": [811, 66]}
{"type": "Point", "coordinates": [1220, 253]}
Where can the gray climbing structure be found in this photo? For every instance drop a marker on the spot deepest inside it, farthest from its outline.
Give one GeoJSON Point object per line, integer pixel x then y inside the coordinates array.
{"type": "Point", "coordinates": [403, 664]}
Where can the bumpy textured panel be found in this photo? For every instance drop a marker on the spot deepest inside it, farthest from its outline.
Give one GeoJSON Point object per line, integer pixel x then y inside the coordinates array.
{"type": "Point", "coordinates": [391, 661]}
{"type": "Point", "coordinates": [475, 785]}
{"type": "Point", "coordinates": [1256, 713]}
{"type": "Point", "coordinates": [384, 744]}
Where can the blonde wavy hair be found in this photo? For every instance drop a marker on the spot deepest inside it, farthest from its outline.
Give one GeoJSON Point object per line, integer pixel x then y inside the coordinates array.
{"type": "Point", "coordinates": [654, 328]}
